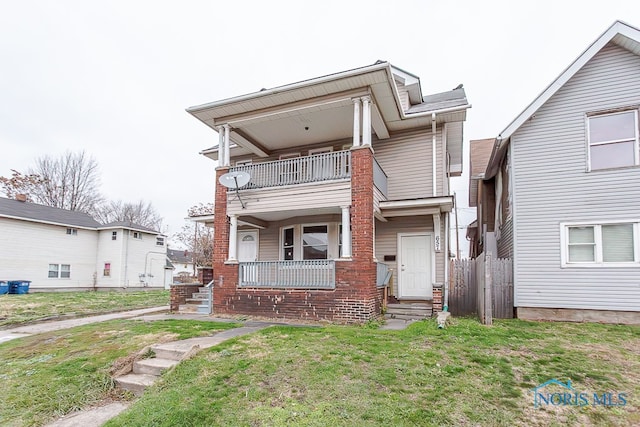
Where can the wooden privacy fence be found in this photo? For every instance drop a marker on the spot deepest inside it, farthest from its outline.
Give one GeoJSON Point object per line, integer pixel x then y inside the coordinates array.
{"type": "Point", "coordinates": [482, 286]}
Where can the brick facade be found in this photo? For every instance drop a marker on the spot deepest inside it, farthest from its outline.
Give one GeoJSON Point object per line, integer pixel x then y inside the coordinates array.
{"type": "Point", "coordinates": [180, 293]}
{"type": "Point", "coordinates": [355, 298]}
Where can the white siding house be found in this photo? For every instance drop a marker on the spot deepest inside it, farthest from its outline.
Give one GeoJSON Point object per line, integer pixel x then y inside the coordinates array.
{"type": "Point", "coordinates": [572, 161]}
{"type": "Point", "coordinates": [57, 250]}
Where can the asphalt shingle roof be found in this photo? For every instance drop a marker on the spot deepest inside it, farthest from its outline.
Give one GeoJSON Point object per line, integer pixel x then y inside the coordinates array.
{"type": "Point", "coordinates": [439, 101]}
{"type": "Point", "coordinates": [41, 213]}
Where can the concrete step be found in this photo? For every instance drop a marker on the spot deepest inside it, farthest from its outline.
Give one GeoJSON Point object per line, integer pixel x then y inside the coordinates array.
{"type": "Point", "coordinates": [203, 309]}
{"type": "Point", "coordinates": [196, 301]}
{"type": "Point", "coordinates": [417, 305]}
{"type": "Point", "coordinates": [172, 351]}
{"type": "Point", "coordinates": [409, 311]}
{"type": "Point", "coordinates": [135, 383]}
{"type": "Point", "coordinates": [152, 366]}
{"type": "Point", "coordinates": [200, 295]}
{"type": "Point", "coordinates": [188, 308]}
{"type": "Point", "coordinates": [405, 316]}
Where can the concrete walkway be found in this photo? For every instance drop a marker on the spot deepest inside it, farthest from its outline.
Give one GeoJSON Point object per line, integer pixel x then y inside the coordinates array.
{"type": "Point", "coordinates": [56, 325]}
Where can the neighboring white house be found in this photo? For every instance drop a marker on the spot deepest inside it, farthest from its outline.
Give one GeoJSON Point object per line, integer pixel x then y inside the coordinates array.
{"type": "Point", "coordinates": [182, 262]}
{"type": "Point", "coordinates": [58, 249]}
{"type": "Point", "coordinates": [564, 184]}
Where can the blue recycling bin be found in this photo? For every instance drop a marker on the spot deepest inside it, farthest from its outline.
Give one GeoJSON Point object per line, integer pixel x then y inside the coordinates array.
{"type": "Point", "coordinates": [19, 286]}
{"type": "Point", "coordinates": [4, 287]}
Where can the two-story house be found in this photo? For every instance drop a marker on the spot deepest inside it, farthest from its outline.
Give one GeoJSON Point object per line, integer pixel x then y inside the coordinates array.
{"type": "Point", "coordinates": [562, 189]}
{"type": "Point", "coordinates": [62, 250]}
{"type": "Point", "coordinates": [348, 178]}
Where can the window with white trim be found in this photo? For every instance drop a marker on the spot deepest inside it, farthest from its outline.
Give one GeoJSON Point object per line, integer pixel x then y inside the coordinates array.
{"type": "Point", "coordinates": [136, 234]}
{"type": "Point", "coordinates": [601, 244]}
{"type": "Point", "coordinates": [159, 241]}
{"type": "Point", "coordinates": [315, 242]}
{"type": "Point", "coordinates": [613, 140]}
{"type": "Point", "coordinates": [114, 235]}
{"type": "Point", "coordinates": [72, 231]}
{"type": "Point", "coordinates": [59, 271]}
{"type": "Point", "coordinates": [287, 243]}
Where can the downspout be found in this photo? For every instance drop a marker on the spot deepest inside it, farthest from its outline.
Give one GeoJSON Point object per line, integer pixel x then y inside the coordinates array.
{"type": "Point", "coordinates": [433, 154]}
{"type": "Point", "coordinates": [125, 237]}
{"type": "Point", "coordinates": [444, 314]}
{"type": "Point", "coordinates": [445, 302]}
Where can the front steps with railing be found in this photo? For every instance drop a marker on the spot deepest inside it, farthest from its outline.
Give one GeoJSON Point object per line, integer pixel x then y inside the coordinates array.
{"type": "Point", "coordinates": [198, 303]}
{"type": "Point", "coordinates": [410, 310]}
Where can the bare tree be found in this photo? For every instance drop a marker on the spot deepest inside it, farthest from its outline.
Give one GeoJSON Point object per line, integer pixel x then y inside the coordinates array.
{"type": "Point", "coordinates": [71, 181]}
{"type": "Point", "coordinates": [196, 237]}
{"type": "Point", "coordinates": [20, 183]}
{"type": "Point", "coordinates": [140, 213]}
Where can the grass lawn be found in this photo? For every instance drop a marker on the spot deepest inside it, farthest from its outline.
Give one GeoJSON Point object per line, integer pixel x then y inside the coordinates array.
{"type": "Point", "coordinates": [465, 375]}
{"type": "Point", "coordinates": [48, 375]}
{"type": "Point", "coordinates": [17, 309]}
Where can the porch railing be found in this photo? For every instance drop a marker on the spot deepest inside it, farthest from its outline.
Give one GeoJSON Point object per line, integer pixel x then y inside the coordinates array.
{"type": "Point", "coordinates": [307, 274]}
{"type": "Point", "coordinates": [299, 170]}
{"type": "Point", "coordinates": [383, 274]}
{"type": "Point", "coordinates": [379, 178]}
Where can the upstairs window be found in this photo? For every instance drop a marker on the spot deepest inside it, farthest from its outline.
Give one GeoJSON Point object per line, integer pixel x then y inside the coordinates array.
{"type": "Point", "coordinates": [114, 235]}
{"type": "Point", "coordinates": [136, 234]}
{"type": "Point", "coordinates": [613, 140]}
{"type": "Point", "coordinates": [160, 241]}
{"type": "Point", "coordinates": [72, 231]}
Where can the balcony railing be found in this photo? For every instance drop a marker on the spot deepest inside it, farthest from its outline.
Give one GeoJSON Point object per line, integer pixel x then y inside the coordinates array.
{"type": "Point", "coordinates": [299, 170]}
{"type": "Point", "coordinates": [383, 274]}
{"type": "Point", "coordinates": [307, 274]}
{"type": "Point", "coordinates": [379, 178]}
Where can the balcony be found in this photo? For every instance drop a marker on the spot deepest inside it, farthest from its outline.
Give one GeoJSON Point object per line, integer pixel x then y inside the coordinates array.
{"type": "Point", "coordinates": [307, 274]}
{"type": "Point", "coordinates": [300, 170]}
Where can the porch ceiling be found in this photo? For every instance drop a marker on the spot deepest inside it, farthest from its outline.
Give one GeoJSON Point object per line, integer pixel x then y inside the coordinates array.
{"type": "Point", "coordinates": [427, 206]}
{"type": "Point", "coordinates": [282, 215]}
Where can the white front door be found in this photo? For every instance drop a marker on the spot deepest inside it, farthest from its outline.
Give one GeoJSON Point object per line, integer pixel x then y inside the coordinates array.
{"type": "Point", "coordinates": [415, 264]}
{"type": "Point", "coordinates": [248, 252]}
{"type": "Point", "coordinates": [247, 246]}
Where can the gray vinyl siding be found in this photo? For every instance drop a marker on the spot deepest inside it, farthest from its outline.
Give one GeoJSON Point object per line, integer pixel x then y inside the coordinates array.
{"type": "Point", "coordinates": [406, 159]}
{"type": "Point", "coordinates": [505, 242]}
{"type": "Point", "coordinates": [269, 240]}
{"type": "Point", "coordinates": [387, 241]}
{"type": "Point", "coordinates": [551, 186]}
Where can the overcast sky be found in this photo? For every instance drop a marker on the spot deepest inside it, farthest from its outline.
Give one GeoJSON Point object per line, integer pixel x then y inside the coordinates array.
{"type": "Point", "coordinates": [114, 77]}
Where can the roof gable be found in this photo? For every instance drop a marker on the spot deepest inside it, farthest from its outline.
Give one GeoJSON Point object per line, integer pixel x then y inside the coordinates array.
{"type": "Point", "coordinates": [620, 33]}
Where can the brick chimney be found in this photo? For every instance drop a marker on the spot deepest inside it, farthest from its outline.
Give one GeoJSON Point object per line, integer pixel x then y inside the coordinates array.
{"type": "Point", "coordinates": [21, 197]}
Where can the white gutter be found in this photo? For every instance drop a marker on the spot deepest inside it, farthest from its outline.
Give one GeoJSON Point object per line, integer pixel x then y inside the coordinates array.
{"type": "Point", "coordinates": [440, 111]}
{"type": "Point", "coordinates": [433, 155]}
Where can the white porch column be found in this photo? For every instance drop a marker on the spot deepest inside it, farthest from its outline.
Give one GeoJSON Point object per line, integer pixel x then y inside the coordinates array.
{"type": "Point", "coordinates": [356, 122]}
{"type": "Point", "coordinates": [437, 240]}
{"type": "Point", "coordinates": [227, 143]}
{"type": "Point", "coordinates": [233, 238]}
{"type": "Point", "coordinates": [366, 120]}
{"type": "Point", "coordinates": [346, 232]}
{"type": "Point", "coordinates": [220, 146]}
